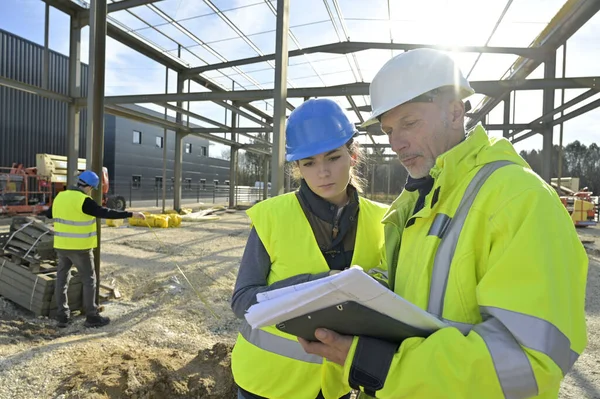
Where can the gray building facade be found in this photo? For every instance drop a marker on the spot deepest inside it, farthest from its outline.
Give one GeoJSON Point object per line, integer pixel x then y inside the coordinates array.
{"type": "Point", "coordinates": [133, 151]}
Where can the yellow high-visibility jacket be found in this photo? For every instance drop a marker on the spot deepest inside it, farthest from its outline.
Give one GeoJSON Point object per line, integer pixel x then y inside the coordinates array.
{"type": "Point", "coordinates": [271, 363]}
{"type": "Point", "coordinates": [73, 229]}
{"type": "Point", "coordinates": [512, 287]}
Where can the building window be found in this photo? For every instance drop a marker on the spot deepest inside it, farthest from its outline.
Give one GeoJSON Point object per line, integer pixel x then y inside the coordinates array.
{"type": "Point", "coordinates": [216, 182]}
{"type": "Point", "coordinates": [158, 182]}
{"type": "Point", "coordinates": [136, 182]}
{"type": "Point", "coordinates": [203, 184]}
{"type": "Point", "coordinates": [137, 137]}
{"type": "Point", "coordinates": [188, 148]}
{"type": "Point", "coordinates": [159, 141]}
{"type": "Point", "coordinates": [227, 182]}
{"type": "Point", "coordinates": [187, 183]}
{"type": "Point", "coordinates": [204, 151]}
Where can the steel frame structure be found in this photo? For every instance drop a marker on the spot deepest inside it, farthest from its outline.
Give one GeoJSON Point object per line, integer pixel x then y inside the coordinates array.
{"type": "Point", "coordinates": [543, 51]}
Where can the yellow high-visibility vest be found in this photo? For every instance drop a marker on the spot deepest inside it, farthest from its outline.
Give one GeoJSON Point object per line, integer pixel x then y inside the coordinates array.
{"type": "Point", "coordinates": [73, 229]}
{"type": "Point", "coordinates": [266, 361]}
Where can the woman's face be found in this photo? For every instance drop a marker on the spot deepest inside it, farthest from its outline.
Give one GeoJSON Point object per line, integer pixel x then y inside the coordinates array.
{"type": "Point", "coordinates": [328, 174]}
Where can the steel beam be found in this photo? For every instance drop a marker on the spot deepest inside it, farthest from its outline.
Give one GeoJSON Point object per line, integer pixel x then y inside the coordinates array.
{"type": "Point", "coordinates": [351, 89]}
{"type": "Point", "coordinates": [193, 115]}
{"type": "Point", "coordinates": [14, 84]}
{"type": "Point", "coordinates": [507, 126]}
{"type": "Point", "coordinates": [549, 117]}
{"type": "Point", "coordinates": [280, 98]}
{"type": "Point", "coordinates": [360, 118]}
{"type": "Point", "coordinates": [353, 47]}
{"type": "Point", "coordinates": [572, 16]}
{"type": "Point", "coordinates": [74, 91]}
{"type": "Point", "coordinates": [579, 111]}
{"type": "Point", "coordinates": [113, 7]}
{"type": "Point", "coordinates": [143, 117]}
{"type": "Point", "coordinates": [96, 108]}
{"type": "Point", "coordinates": [237, 130]}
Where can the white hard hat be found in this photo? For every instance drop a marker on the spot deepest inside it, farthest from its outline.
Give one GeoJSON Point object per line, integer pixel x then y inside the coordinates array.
{"type": "Point", "coordinates": [410, 75]}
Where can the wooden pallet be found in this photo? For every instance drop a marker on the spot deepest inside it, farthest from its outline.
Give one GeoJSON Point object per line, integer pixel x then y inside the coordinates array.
{"type": "Point", "coordinates": [35, 291]}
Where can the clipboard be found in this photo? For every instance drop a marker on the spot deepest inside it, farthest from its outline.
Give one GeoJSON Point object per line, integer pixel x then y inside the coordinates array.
{"type": "Point", "coordinates": [351, 318]}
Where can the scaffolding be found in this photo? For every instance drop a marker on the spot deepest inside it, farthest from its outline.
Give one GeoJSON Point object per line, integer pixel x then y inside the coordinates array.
{"type": "Point", "coordinates": [189, 54]}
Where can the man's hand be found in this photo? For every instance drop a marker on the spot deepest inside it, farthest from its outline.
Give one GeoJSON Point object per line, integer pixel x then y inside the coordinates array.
{"type": "Point", "coordinates": [333, 346]}
{"type": "Point", "coordinates": [139, 215]}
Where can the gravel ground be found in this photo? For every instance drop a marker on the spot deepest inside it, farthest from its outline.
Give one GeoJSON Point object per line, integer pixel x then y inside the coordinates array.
{"type": "Point", "coordinates": [170, 339]}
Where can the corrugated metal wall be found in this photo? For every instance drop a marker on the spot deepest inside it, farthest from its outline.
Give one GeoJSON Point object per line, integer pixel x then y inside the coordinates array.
{"type": "Point", "coordinates": [30, 124]}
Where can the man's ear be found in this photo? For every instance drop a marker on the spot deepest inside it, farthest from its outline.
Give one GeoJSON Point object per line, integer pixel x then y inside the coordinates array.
{"type": "Point", "coordinates": [457, 114]}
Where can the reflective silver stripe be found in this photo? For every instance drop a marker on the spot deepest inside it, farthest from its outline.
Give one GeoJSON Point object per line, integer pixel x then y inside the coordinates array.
{"type": "Point", "coordinates": [537, 334]}
{"type": "Point", "coordinates": [464, 328]}
{"type": "Point", "coordinates": [74, 235]}
{"type": "Point", "coordinates": [439, 226]}
{"type": "Point", "coordinates": [73, 223]}
{"type": "Point", "coordinates": [510, 361]}
{"type": "Point", "coordinates": [447, 247]}
{"type": "Point", "coordinates": [278, 345]}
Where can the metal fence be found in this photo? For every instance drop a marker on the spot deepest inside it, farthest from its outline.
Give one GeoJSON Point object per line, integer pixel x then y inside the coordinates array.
{"type": "Point", "coordinates": [136, 196]}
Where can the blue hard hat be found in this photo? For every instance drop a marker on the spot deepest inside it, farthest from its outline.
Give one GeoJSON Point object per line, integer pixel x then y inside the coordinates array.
{"type": "Point", "coordinates": [317, 126]}
{"type": "Point", "coordinates": [89, 178]}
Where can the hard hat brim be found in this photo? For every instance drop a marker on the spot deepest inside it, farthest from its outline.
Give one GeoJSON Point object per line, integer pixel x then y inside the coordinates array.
{"type": "Point", "coordinates": [311, 150]}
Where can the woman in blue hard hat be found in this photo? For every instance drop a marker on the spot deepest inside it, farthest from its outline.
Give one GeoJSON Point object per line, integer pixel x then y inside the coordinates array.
{"type": "Point", "coordinates": [74, 213]}
{"type": "Point", "coordinates": [321, 229]}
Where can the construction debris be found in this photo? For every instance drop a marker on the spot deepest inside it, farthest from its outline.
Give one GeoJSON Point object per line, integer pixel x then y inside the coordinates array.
{"type": "Point", "coordinates": [204, 215]}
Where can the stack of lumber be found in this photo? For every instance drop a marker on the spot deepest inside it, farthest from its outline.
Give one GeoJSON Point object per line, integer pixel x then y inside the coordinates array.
{"type": "Point", "coordinates": [28, 268]}
{"type": "Point", "coordinates": [35, 291]}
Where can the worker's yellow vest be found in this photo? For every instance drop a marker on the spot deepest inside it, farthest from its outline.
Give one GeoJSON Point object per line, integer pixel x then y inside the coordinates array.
{"type": "Point", "coordinates": [73, 229]}
{"type": "Point", "coordinates": [268, 362]}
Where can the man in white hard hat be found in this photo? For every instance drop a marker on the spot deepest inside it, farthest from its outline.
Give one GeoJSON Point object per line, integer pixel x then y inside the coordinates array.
{"type": "Point", "coordinates": [477, 239]}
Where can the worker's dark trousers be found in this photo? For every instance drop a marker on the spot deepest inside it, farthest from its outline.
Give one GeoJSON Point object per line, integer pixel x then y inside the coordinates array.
{"type": "Point", "coordinates": [83, 260]}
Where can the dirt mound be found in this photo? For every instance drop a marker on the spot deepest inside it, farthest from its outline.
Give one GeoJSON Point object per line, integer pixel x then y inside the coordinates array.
{"type": "Point", "coordinates": [152, 373]}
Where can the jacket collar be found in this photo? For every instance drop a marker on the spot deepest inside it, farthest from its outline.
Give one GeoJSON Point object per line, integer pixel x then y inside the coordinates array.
{"type": "Point", "coordinates": [450, 167]}
{"type": "Point", "coordinates": [324, 209]}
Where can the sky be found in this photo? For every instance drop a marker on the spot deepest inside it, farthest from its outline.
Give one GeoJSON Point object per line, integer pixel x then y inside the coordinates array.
{"type": "Point", "coordinates": [208, 38]}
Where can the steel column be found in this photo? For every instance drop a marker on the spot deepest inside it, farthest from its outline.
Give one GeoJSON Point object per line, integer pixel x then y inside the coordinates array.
{"type": "Point", "coordinates": [74, 91]}
{"type": "Point", "coordinates": [279, 104]}
{"type": "Point", "coordinates": [233, 152]}
{"type": "Point", "coordinates": [178, 153]}
{"type": "Point", "coordinates": [46, 60]}
{"type": "Point", "coordinates": [96, 109]}
{"type": "Point", "coordinates": [548, 106]}
{"type": "Point", "coordinates": [266, 177]}
{"type": "Point", "coordinates": [164, 171]}
{"type": "Point", "coordinates": [506, 132]}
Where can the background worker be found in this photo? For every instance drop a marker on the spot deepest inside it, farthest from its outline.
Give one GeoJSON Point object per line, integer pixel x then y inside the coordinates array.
{"type": "Point", "coordinates": [505, 268]}
{"type": "Point", "coordinates": [74, 213]}
{"type": "Point", "coordinates": [321, 229]}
